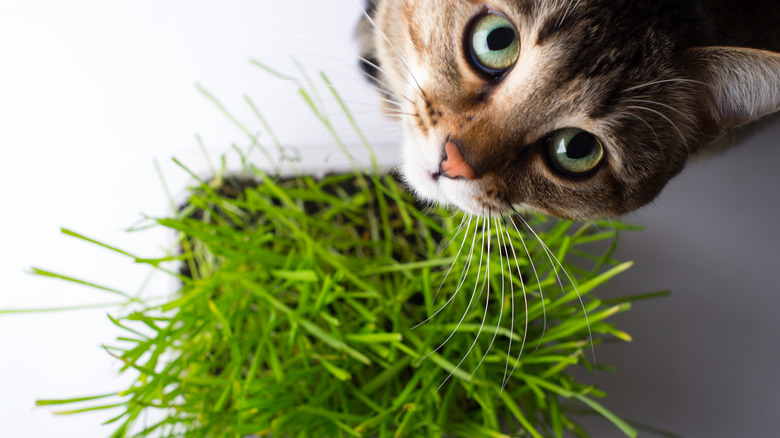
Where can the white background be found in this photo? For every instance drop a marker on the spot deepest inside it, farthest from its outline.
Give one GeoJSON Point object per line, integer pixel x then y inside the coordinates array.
{"type": "Point", "coordinates": [92, 92]}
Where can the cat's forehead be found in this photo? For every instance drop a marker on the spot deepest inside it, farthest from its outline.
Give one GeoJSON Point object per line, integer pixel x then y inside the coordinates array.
{"type": "Point", "coordinates": [543, 16]}
{"type": "Point", "coordinates": [432, 33]}
{"type": "Point", "coordinates": [587, 28]}
{"type": "Point", "coordinates": [433, 37]}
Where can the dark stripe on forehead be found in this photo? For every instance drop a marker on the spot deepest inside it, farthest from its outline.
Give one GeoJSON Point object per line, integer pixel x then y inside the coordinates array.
{"type": "Point", "coordinates": [553, 25]}
{"type": "Point", "coordinates": [526, 7]}
{"type": "Point", "coordinates": [371, 7]}
{"type": "Point", "coordinates": [561, 19]}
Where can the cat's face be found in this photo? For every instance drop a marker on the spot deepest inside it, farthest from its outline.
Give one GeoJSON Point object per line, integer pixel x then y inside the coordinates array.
{"type": "Point", "coordinates": [571, 108]}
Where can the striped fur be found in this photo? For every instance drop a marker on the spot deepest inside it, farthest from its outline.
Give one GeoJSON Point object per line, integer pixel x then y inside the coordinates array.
{"type": "Point", "coordinates": [656, 81]}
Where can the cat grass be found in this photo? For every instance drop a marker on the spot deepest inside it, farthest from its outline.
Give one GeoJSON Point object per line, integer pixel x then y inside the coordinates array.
{"type": "Point", "coordinates": [340, 307]}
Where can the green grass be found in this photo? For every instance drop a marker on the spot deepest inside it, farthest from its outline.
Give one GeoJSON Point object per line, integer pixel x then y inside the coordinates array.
{"type": "Point", "coordinates": [340, 307]}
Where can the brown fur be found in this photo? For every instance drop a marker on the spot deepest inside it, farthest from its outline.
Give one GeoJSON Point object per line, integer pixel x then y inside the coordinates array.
{"type": "Point", "coordinates": [655, 81]}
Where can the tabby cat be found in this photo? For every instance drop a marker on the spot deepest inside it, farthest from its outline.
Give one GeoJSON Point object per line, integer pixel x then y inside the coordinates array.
{"type": "Point", "coordinates": [576, 108]}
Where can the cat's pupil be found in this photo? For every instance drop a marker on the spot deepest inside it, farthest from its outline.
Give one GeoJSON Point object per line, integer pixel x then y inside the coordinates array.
{"type": "Point", "coordinates": [580, 146]}
{"type": "Point", "coordinates": [500, 38]}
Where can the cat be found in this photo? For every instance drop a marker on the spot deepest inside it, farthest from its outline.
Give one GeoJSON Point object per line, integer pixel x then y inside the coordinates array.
{"type": "Point", "coordinates": [579, 109]}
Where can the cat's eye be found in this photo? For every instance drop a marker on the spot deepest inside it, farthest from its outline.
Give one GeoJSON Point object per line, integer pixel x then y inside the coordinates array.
{"type": "Point", "coordinates": [574, 151]}
{"type": "Point", "coordinates": [493, 44]}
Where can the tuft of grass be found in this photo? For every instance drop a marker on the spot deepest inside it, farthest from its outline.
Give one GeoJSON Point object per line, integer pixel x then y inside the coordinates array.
{"type": "Point", "coordinates": [338, 306]}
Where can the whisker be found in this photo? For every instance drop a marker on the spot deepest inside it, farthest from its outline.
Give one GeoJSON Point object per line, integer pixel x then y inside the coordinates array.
{"type": "Point", "coordinates": [660, 104]}
{"type": "Point", "coordinates": [503, 245]}
{"type": "Point", "coordinates": [388, 110]}
{"type": "Point", "coordinates": [571, 281]}
{"type": "Point", "coordinates": [568, 12]}
{"type": "Point", "coordinates": [372, 103]}
{"type": "Point", "coordinates": [352, 68]}
{"type": "Point", "coordinates": [538, 281]}
{"type": "Point", "coordinates": [381, 82]}
{"type": "Point", "coordinates": [679, 132]}
{"type": "Point", "coordinates": [283, 104]}
{"type": "Point", "coordinates": [337, 112]}
{"type": "Point", "coordinates": [457, 289]}
{"type": "Point", "coordinates": [648, 84]}
{"type": "Point", "coordinates": [393, 112]}
{"type": "Point", "coordinates": [392, 102]}
{"type": "Point", "coordinates": [525, 301]}
{"type": "Point", "coordinates": [395, 109]}
{"type": "Point", "coordinates": [637, 117]}
{"type": "Point", "coordinates": [396, 117]}
{"type": "Point", "coordinates": [471, 300]}
{"type": "Point", "coordinates": [485, 285]}
{"type": "Point", "coordinates": [390, 44]}
{"type": "Point", "coordinates": [454, 233]}
{"type": "Point", "coordinates": [454, 260]}
{"type": "Point", "coordinates": [501, 307]}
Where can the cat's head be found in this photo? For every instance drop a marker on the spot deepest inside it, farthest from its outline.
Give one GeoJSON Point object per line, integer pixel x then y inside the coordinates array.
{"type": "Point", "coordinates": [578, 109]}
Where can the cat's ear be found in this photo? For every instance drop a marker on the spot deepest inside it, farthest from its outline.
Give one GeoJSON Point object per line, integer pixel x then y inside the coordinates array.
{"type": "Point", "coordinates": [738, 85]}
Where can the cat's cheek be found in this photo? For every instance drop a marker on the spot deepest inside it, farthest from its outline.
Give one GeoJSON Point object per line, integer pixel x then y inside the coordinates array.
{"type": "Point", "coordinates": [422, 182]}
{"type": "Point", "coordinates": [421, 149]}
{"type": "Point", "coordinates": [420, 164]}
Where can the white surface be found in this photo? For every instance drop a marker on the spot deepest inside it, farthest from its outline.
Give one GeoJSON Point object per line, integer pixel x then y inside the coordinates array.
{"type": "Point", "coordinates": [91, 92]}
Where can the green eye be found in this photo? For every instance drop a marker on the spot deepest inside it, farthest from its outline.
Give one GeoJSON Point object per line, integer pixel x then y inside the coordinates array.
{"type": "Point", "coordinates": [493, 43]}
{"type": "Point", "coordinates": [574, 151]}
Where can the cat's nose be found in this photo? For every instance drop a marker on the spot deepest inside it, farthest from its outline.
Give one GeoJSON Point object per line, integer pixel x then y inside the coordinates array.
{"type": "Point", "coordinates": [454, 165]}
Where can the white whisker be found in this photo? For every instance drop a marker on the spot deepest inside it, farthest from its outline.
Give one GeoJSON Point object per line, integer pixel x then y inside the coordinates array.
{"type": "Point", "coordinates": [371, 81]}
{"type": "Point", "coordinates": [454, 260]}
{"type": "Point", "coordinates": [501, 307]}
{"type": "Point", "coordinates": [464, 220]}
{"type": "Point", "coordinates": [502, 241]}
{"type": "Point", "coordinates": [392, 47]}
{"type": "Point", "coordinates": [485, 286]}
{"type": "Point", "coordinates": [659, 104]}
{"type": "Point", "coordinates": [394, 112]}
{"type": "Point", "coordinates": [393, 103]}
{"type": "Point", "coordinates": [679, 80]}
{"type": "Point", "coordinates": [571, 281]}
{"type": "Point", "coordinates": [457, 289]}
{"type": "Point", "coordinates": [381, 82]}
{"type": "Point", "coordinates": [525, 301]}
{"type": "Point", "coordinates": [568, 12]}
{"type": "Point", "coordinates": [679, 132]}
{"type": "Point", "coordinates": [538, 282]}
{"type": "Point", "coordinates": [637, 117]}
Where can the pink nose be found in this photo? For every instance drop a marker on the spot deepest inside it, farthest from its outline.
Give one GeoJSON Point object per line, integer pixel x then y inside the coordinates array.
{"type": "Point", "coordinates": [454, 165]}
